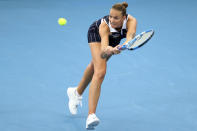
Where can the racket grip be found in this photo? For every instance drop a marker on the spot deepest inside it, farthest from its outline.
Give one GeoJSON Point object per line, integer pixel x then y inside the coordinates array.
{"type": "Point", "coordinates": [123, 47]}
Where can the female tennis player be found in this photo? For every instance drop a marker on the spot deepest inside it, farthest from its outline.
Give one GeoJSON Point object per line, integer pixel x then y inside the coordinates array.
{"type": "Point", "coordinates": [104, 36]}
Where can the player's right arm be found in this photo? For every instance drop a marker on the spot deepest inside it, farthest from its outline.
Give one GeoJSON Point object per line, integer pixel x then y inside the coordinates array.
{"type": "Point", "coordinates": [106, 50]}
{"type": "Point", "coordinates": [104, 33]}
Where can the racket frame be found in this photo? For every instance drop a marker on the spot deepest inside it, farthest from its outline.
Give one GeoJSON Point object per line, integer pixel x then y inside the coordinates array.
{"type": "Point", "coordinates": [126, 46]}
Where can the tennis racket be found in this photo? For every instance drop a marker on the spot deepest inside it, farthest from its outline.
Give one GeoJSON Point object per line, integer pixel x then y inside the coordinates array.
{"type": "Point", "coordinates": [138, 40]}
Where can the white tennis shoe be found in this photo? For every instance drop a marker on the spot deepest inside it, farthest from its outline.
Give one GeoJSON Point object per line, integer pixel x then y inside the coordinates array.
{"type": "Point", "coordinates": [91, 122]}
{"type": "Point", "coordinates": [74, 100]}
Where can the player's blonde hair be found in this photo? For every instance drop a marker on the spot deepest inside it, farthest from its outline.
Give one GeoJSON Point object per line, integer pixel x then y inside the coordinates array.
{"type": "Point", "coordinates": [121, 7]}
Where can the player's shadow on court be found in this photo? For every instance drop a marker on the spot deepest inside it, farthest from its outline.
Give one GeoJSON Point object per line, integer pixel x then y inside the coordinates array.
{"type": "Point", "coordinates": [75, 122]}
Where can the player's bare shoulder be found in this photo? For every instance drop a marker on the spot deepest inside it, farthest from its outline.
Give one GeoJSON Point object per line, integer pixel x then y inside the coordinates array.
{"type": "Point", "coordinates": [131, 18]}
{"type": "Point", "coordinates": [131, 21]}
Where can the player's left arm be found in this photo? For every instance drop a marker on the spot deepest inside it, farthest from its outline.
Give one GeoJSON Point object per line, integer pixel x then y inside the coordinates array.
{"type": "Point", "coordinates": [131, 28]}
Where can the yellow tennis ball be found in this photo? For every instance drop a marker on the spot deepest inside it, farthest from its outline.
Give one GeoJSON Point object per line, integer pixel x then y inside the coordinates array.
{"type": "Point", "coordinates": [62, 21]}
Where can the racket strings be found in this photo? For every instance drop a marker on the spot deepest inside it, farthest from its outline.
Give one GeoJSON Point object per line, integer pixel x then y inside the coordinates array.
{"type": "Point", "coordinates": [140, 39]}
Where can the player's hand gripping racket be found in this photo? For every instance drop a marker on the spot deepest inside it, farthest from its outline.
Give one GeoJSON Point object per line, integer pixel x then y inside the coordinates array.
{"type": "Point", "coordinates": [138, 40]}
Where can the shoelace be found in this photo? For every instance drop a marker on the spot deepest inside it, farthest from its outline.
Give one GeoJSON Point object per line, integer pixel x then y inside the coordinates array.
{"type": "Point", "coordinates": [93, 116]}
{"type": "Point", "coordinates": [79, 101]}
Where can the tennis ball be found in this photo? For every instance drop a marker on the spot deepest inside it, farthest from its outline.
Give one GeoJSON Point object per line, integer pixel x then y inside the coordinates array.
{"type": "Point", "coordinates": [62, 21]}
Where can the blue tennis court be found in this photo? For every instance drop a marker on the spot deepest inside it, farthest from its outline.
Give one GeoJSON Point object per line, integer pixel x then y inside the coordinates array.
{"type": "Point", "coordinates": [150, 89]}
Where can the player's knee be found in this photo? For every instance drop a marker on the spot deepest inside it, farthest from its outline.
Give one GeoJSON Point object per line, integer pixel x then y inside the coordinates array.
{"type": "Point", "coordinates": [100, 74]}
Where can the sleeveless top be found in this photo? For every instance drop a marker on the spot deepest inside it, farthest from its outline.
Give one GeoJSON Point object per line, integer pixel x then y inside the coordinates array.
{"type": "Point", "coordinates": [115, 35]}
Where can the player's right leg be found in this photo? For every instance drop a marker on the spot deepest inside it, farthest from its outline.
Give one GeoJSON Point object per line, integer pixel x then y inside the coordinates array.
{"type": "Point", "coordinates": [75, 93]}
{"type": "Point", "coordinates": [100, 66]}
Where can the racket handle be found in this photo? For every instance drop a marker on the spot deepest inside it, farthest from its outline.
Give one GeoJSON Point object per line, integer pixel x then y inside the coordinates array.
{"type": "Point", "coordinates": [123, 47]}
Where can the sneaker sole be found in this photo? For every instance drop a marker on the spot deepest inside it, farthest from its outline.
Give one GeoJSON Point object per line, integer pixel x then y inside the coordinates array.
{"type": "Point", "coordinates": [92, 125]}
